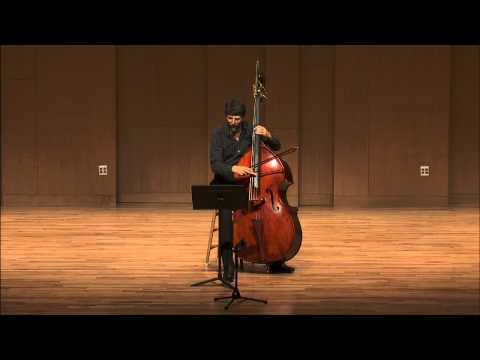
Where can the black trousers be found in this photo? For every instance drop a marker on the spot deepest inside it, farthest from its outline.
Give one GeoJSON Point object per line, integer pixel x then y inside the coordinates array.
{"type": "Point", "coordinates": [226, 239]}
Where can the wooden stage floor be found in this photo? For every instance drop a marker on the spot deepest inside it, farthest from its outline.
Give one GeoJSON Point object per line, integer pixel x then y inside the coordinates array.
{"type": "Point", "coordinates": [142, 260]}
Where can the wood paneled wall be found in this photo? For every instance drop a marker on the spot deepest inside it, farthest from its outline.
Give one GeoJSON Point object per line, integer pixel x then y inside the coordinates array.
{"type": "Point", "coordinates": [58, 125]}
{"type": "Point", "coordinates": [392, 113]}
{"type": "Point", "coordinates": [162, 110]}
{"type": "Point", "coordinates": [282, 80]}
{"type": "Point", "coordinates": [365, 118]}
{"type": "Point", "coordinates": [316, 125]}
{"type": "Point", "coordinates": [464, 126]}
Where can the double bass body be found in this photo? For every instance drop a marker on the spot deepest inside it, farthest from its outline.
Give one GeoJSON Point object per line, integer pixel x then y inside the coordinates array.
{"type": "Point", "coordinates": [269, 230]}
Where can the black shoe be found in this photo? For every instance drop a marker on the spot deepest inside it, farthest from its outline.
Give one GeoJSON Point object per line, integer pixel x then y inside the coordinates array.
{"type": "Point", "coordinates": [280, 268]}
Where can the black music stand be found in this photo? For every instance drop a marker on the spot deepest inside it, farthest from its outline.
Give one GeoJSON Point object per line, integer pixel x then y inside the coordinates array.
{"type": "Point", "coordinates": [236, 293]}
{"type": "Point", "coordinates": [219, 197]}
{"type": "Point", "coordinates": [231, 197]}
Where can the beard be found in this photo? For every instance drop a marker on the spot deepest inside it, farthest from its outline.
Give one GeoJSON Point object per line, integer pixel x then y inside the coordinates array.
{"type": "Point", "coordinates": [234, 129]}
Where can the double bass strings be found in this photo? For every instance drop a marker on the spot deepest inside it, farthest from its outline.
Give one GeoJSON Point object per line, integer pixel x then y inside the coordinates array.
{"type": "Point", "coordinates": [252, 159]}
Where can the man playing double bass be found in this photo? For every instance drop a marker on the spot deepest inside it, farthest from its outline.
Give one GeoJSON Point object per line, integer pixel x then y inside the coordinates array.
{"type": "Point", "coordinates": [228, 144]}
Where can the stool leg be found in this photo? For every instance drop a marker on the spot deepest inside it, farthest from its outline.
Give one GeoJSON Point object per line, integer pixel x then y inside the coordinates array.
{"type": "Point", "coordinates": [209, 248]}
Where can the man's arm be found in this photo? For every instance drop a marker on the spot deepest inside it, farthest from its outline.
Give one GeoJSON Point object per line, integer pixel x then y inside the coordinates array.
{"type": "Point", "coordinates": [216, 159]}
{"type": "Point", "coordinates": [272, 142]}
{"type": "Point", "coordinates": [267, 138]}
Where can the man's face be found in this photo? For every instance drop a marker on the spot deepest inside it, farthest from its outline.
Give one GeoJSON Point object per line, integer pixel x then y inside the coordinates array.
{"type": "Point", "coordinates": [234, 122]}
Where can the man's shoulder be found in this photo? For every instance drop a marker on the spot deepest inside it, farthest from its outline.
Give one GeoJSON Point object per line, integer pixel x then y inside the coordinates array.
{"type": "Point", "coordinates": [247, 125]}
{"type": "Point", "coordinates": [219, 130]}
{"type": "Point", "coordinates": [247, 128]}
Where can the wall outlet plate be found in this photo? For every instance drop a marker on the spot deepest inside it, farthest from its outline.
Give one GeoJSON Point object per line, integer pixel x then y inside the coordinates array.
{"type": "Point", "coordinates": [424, 170]}
{"type": "Point", "coordinates": [102, 170]}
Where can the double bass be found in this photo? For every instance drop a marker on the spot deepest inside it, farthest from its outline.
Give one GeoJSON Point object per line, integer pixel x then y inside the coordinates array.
{"type": "Point", "coordinates": [269, 230]}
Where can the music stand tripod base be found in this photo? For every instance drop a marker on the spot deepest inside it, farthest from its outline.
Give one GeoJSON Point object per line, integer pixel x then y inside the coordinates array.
{"type": "Point", "coordinates": [223, 282]}
{"type": "Point", "coordinates": [236, 293]}
{"type": "Point", "coordinates": [219, 276]}
{"type": "Point", "coordinates": [236, 296]}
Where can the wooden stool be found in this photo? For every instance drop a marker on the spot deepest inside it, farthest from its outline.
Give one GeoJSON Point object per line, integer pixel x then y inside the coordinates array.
{"type": "Point", "coordinates": [211, 246]}
{"type": "Point", "coordinates": [212, 230]}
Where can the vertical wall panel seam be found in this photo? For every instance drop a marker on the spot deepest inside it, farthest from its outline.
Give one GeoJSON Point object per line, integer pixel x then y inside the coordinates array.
{"type": "Point", "coordinates": [333, 87]}
{"type": "Point", "coordinates": [450, 123]}
{"type": "Point", "coordinates": [206, 109]}
{"type": "Point", "coordinates": [116, 117]}
{"type": "Point", "coordinates": [478, 123]}
{"type": "Point", "coordinates": [299, 128]}
{"type": "Point", "coordinates": [2, 130]}
{"type": "Point", "coordinates": [36, 125]}
{"type": "Point", "coordinates": [369, 112]}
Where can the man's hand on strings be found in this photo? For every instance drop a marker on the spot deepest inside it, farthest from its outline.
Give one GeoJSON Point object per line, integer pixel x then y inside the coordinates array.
{"type": "Point", "coordinates": [242, 170]}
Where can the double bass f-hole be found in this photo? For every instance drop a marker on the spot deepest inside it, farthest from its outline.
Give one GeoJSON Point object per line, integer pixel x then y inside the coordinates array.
{"type": "Point", "coordinates": [275, 208]}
